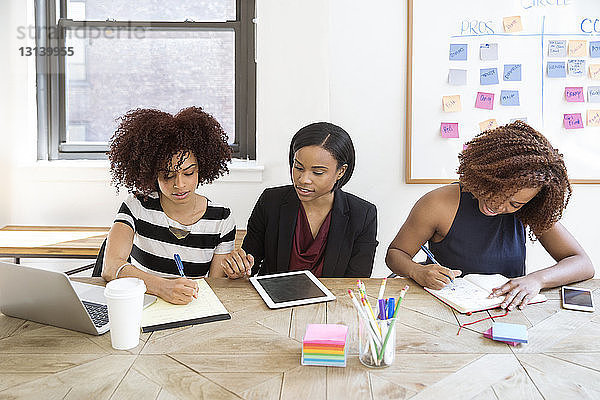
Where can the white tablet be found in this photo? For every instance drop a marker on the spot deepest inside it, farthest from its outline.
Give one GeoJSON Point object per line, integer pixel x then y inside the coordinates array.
{"type": "Point", "coordinates": [291, 289]}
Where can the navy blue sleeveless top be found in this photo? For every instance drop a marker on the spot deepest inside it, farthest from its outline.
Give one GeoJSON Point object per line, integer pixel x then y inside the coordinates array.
{"type": "Point", "coordinates": [481, 244]}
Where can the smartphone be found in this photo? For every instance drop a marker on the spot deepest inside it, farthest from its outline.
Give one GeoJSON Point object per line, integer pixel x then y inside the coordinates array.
{"type": "Point", "coordinates": [577, 299]}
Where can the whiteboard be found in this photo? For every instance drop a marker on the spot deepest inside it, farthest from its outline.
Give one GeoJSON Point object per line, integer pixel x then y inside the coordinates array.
{"type": "Point", "coordinates": [430, 158]}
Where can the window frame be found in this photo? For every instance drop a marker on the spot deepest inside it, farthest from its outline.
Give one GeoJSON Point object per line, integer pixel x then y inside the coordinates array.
{"type": "Point", "coordinates": [51, 85]}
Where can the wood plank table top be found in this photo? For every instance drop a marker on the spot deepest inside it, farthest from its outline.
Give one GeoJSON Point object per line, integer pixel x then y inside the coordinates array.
{"type": "Point", "coordinates": [256, 354]}
{"type": "Point", "coordinates": [51, 241]}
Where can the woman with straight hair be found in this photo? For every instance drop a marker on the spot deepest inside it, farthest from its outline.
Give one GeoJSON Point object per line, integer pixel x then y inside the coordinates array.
{"type": "Point", "coordinates": [311, 224]}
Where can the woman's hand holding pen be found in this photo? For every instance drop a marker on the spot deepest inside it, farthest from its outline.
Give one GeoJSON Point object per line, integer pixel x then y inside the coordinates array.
{"type": "Point", "coordinates": [433, 276]}
{"type": "Point", "coordinates": [518, 291]}
{"type": "Point", "coordinates": [238, 264]}
{"type": "Point", "coordinates": [179, 290]}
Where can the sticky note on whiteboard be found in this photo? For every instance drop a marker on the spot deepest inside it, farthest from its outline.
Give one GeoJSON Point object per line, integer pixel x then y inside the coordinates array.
{"type": "Point", "coordinates": [449, 129]}
{"type": "Point", "coordinates": [488, 51]}
{"type": "Point", "coordinates": [458, 52]}
{"type": "Point", "coordinates": [594, 71]}
{"type": "Point", "coordinates": [574, 94]}
{"type": "Point", "coordinates": [488, 124]}
{"type": "Point", "coordinates": [595, 49]}
{"type": "Point", "coordinates": [576, 67]}
{"type": "Point", "coordinates": [488, 76]}
{"type": "Point", "coordinates": [594, 94]}
{"type": "Point", "coordinates": [484, 100]}
{"type": "Point", "coordinates": [512, 72]}
{"type": "Point", "coordinates": [556, 69]}
{"type": "Point", "coordinates": [457, 77]}
{"type": "Point", "coordinates": [593, 117]}
{"type": "Point", "coordinates": [557, 48]}
{"type": "Point", "coordinates": [577, 48]}
{"type": "Point", "coordinates": [512, 24]}
{"type": "Point", "coordinates": [573, 121]}
{"type": "Point", "coordinates": [509, 97]}
{"type": "Point", "coordinates": [451, 103]}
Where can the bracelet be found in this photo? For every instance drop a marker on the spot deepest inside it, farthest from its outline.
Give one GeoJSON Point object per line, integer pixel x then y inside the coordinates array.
{"type": "Point", "coordinates": [121, 267]}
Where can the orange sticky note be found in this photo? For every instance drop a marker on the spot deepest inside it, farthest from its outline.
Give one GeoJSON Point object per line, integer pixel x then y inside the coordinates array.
{"type": "Point", "coordinates": [488, 124]}
{"type": "Point", "coordinates": [593, 117]}
{"type": "Point", "coordinates": [595, 71]}
{"type": "Point", "coordinates": [451, 103]}
{"type": "Point", "coordinates": [512, 24]}
{"type": "Point", "coordinates": [577, 48]}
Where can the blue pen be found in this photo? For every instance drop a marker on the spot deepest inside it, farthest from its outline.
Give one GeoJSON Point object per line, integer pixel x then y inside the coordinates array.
{"type": "Point", "coordinates": [391, 307]}
{"type": "Point", "coordinates": [179, 264]}
{"type": "Point", "coordinates": [432, 258]}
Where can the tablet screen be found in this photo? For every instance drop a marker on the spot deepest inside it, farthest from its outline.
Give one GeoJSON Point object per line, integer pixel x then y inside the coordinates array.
{"type": "Point", "coordinates": [286, 288]}
{"type": "Point", "coordinates": [578, 297]}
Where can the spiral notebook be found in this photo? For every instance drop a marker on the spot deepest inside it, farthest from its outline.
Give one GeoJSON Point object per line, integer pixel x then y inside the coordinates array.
{"type": "Point", "coordinates": [470, 293]}
{"type": "Point", "coordinates": [164, 315]}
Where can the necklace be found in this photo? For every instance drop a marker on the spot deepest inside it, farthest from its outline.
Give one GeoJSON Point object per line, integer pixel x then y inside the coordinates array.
{"type": "Point", "coordinates": [182, 233]}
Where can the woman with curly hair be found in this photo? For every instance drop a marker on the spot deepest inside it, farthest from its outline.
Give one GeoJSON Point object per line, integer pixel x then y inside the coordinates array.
{"type": "Point", "coordinates": [311, 224]}
{"type": "Point", "coordinates": [510, 178]}
{"type": "Point", "coordinates": [161, 159]}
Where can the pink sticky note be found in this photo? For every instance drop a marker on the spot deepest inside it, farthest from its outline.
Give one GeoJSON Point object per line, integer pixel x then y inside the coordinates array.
{"type": "Point", "coordinates": [574, 94]}
{"type": "Point", "coordinates": [449, 129]}
{"type": "Point", "coordinates": [326, 334]}
{"type": "Point", "coordinates": [485, 101]}
{"type": "Point", "coordinates": [573, 121]}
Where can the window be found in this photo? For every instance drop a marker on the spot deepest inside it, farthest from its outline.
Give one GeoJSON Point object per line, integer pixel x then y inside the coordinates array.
{"type": "Point", "coordinates": [111, 56]}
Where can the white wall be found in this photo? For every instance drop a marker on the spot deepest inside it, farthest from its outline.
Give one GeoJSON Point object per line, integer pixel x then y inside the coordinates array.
{"type": "Point", "coordinates": [337, 60]}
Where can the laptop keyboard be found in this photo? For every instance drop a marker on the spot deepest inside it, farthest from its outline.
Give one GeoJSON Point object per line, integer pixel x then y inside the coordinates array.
{"type": "Point", "coordinates": [98, 312]}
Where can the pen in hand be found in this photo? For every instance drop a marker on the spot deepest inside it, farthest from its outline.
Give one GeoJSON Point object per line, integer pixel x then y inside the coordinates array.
{"type": "Point", "coordinates": [432, 258]}
{"type": "Point", "coordinates": [179, 265]}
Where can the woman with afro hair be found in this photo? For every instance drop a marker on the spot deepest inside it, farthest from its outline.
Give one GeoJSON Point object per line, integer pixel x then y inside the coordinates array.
{"type": "Point", "coordinates": [161, 159]}
{"type": "Point", "coordinates": [509, 178]}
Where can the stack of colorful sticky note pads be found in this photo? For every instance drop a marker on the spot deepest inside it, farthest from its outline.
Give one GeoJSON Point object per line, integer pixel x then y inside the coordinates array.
{"type": "Point", "coordinates": [324, 344]}
{"type": "Point", "coordinates": [512, 334]}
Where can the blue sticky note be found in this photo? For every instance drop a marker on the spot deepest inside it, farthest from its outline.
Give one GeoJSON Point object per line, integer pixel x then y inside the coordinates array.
{"type": "Point", "coordinates": [594, 49]}
{"type": "Point", "coordinates": [458, 51]}
{"type": "Point", "coordinates": [576, 67]}
{"type": "Point", "coordinates": [522, 119]}
{"type": "Point", "coordinates": [488, 76]}
{"type": "Point", "coordinates": [457, 77]}
{"type": "Point", "coordinates": [509, 332]}
{"type": "Point", "coordinates": [556, 69]}
{"type": "Point", "coordinates": [512, 72]}
{"type": "Point", "coordinates": [594, 94]}
{"type": "Point", "coordinates": [509, 98]}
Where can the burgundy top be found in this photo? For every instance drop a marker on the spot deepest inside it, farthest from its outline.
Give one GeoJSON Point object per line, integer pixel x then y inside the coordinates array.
{"type": "Point", "coordinates": [308, 253]}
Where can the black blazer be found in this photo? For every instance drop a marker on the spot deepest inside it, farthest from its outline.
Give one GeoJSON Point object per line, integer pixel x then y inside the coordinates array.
{"type": "Point", "coordinates": [351, 241]}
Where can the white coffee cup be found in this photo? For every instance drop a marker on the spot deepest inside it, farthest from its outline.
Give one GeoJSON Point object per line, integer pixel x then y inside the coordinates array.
{"type": "Point", "coordinates": [125, 300]}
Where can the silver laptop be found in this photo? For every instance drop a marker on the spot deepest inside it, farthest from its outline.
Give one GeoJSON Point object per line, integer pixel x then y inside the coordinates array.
{"type": "Point", "coordinates": [50, 297]}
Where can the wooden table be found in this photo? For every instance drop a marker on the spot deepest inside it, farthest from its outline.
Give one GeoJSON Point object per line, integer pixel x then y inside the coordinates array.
{"type": "Point", "coordinates": [50, 241]}
{"type": "Point", "coordinates": [256, 355]}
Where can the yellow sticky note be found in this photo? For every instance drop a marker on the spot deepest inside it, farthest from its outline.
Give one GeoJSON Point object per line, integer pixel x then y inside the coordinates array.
{"type": "Point", "coordinates": [512, 24]}
{"type": "Point", "coordinates": [595, 71]}
{"type": "Point", "coordinates": [451, 103]}
{"type": "Point", "coordinates": [577, 48]}
{"type": "Point", "coordinates": [593, 117]}
{"type": "Point", "coordinates": [488, 124]}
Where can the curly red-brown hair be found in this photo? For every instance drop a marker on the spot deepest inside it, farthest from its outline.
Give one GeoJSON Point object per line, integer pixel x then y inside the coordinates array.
{"type": "Point", "coordinates": [498, 163]}
{"type": "Point", "coordinates": [146, 140]}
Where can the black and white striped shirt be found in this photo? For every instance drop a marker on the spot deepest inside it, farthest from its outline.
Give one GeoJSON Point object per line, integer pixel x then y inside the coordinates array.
{"type": "Point", "coordinates": [154, 244]}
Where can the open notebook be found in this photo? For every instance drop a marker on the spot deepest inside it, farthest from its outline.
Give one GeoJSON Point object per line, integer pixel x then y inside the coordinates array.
{"type": "Point", "coordinates": [164, 315]}
{"type": "Point", "coordinates": [469, 294]}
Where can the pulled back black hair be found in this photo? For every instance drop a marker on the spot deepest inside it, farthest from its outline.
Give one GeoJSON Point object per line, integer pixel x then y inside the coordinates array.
{"type": "Point", "coordinates": [333, 139]}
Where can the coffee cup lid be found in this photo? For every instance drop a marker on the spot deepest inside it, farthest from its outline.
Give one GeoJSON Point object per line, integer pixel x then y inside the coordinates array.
{"type": "Point", "coordinates": [124, 287]}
